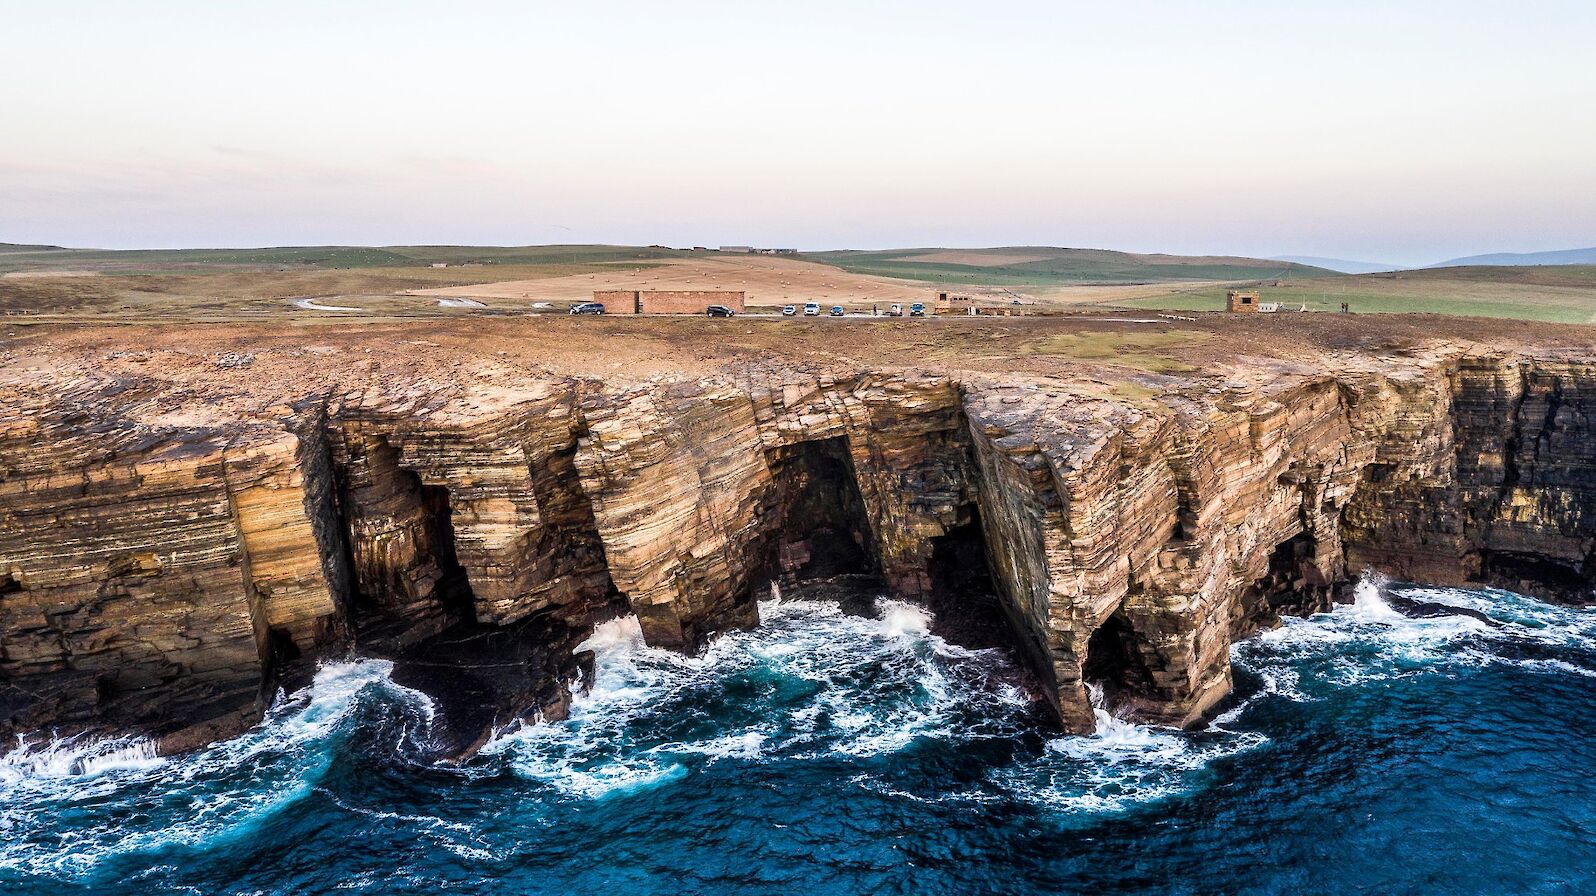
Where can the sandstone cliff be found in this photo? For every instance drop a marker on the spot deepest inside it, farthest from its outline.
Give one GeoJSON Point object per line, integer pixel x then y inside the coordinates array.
{"type": "Point", "coordinates": [170, 553]}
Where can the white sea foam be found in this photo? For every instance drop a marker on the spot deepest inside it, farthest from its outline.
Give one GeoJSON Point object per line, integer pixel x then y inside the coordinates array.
{"type": "Point", "coordinates": [828, 684]}
{"type": "Point", "coordinates": [1371, 641]}
{"type": "Point", "coordinates": [1120, 764]}
{"type": "Point", "coordinates": [811, 681]}
{"type": "Point", "coordinates": [76, 757]}
{"type": "Point", "coordinates": [220, 793]}
{"type": "Point", "coordinates": [905, 620]}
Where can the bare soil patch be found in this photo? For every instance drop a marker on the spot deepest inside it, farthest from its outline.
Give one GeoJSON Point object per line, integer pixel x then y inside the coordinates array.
{"type": "Point", "coordinates": [766, 281]}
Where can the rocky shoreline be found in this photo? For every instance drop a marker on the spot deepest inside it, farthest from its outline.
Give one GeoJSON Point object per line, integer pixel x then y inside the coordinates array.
{"type": "Point", "coordinates": [175, 548]}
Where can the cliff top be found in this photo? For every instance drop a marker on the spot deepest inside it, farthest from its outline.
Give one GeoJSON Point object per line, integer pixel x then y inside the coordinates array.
{"type": "Point", "coordinates": [1125, 356]}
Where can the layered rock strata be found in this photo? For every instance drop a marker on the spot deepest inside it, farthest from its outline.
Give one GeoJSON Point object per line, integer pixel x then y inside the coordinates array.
{"type": "Point", "coordinates": [168, 559]}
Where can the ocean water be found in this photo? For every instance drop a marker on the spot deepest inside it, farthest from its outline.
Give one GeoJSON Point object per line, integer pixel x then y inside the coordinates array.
{"type": "Point", "coordinates": [1365, 752]}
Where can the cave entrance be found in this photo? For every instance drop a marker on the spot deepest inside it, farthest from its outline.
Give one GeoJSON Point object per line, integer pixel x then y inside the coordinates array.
{"type": "Point", "coordinates": [1535, 574]}
{"type": "Point", "coordinates": [1292, 584]}
{"type": "Point", "coordinates": [963, 596]}
{"type": "Point", "coordinates": [1114, 663]}
{"type": "Point", "coordinates": [821, 529]}
{"type": "Point", "coordinates": [453, 589]}
{"type": "Point", "coordinates": [409, 583]}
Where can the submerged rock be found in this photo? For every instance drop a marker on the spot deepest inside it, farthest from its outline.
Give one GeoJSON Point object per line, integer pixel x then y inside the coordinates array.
{"type": "Point", "coordinates": [1425, 609]}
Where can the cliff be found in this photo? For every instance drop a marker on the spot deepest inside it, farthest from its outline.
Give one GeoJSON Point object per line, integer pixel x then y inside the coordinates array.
{"type": "Point", "coordinates": [179, 538]}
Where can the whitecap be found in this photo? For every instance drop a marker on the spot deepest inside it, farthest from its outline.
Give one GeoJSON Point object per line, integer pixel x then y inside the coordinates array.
{"type": "Point", "coordinates": [1121, 763]}
{"type": "Point", "coordinates": [77, 757]}
{"type": "Point", "coordinates": [1371, 641]}
{"type": "Point", "coordinates": [829, 684]}
{"type": "Point", "coordinates": [218, 794]}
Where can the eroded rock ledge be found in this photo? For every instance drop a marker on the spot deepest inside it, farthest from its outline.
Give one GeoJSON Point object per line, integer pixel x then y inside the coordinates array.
{"type": "Point", "coordinates": [170, 555]}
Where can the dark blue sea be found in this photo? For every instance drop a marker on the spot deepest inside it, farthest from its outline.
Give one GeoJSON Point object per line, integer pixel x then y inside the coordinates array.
{"type": "Point", "coordinates": [1365, 752]}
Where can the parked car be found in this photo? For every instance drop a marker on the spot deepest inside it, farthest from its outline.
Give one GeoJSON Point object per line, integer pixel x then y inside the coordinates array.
{"type": "Point", "coordinates": [836, 311]}
{"type": "Point", "coordinates": [719, 311]}
{"type": "Point", "coordinates": [811, 309]}
{"type": "Point", "coordinates": [587, 308]}
{"type": "Point", "coordinates": [789, 310]}
{"type": "Point", "coordinates": [894, 310]}
{"type": "Point", "coordinates": [917, 309]}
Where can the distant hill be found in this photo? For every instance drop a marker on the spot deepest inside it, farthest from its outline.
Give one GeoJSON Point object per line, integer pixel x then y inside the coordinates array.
{"type": "Point", "coordinates": [1342, 265]}
{"type": "Point", "coordinates": [1007, 266]}
{"type": "Point", "coordinates": [1560, 256]}
{"type": "Point", "coordinates": [1053, 266]}
{"type": "Point", "coordinates": [22, 247]}
{"type": "Point", "coordinates": [1560, 293]}
{"type": "Point", "coordinates": [16, 257]}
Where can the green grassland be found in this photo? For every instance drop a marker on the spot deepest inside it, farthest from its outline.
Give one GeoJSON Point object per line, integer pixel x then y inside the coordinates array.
{"type": "Point", "coordinates": [215, 283]}
{"type": "Point", "coordinates": [1561, 294]}
{"type": "Point", "coordinates": [1059, 267]}
{"type": "Point", "coordinates": [31, 258]}
{"type": "Point", "coordinates": [68, 283]}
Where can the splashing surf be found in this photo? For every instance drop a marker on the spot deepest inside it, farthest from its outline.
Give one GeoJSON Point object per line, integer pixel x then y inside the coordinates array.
{"type": "Point", "coordinates": [215, 795]}
{"type": "Point", "coordinates": [882, 732]}
{"type": "Point", "coordinates": [1370, 641]}
{"type": "Point", "coordinates": [811, 682]}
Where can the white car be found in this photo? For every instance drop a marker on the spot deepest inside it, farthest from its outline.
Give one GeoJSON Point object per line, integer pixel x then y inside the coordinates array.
{"type": "Point", "coordinates": [811, 309]}
{"type": "Point", "coordinates": [789, 310]}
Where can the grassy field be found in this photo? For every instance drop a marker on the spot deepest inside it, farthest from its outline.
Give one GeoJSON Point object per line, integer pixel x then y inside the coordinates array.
{"type": "Point", "coordinates": [1562, 294]}
{"type": "Point", "coordinates": [41, 283]}
{"type": "Point", "coordinates": [1041, 266]}
{"type": "Point", "coordinates": [38, 258]}
{"type": "Point", "coordinates": [226, 292]}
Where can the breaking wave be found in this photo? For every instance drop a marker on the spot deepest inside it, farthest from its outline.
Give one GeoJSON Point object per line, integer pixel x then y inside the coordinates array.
{"type": "Point", "coordinates": [1371, 641]}
{"type": "Point", "coordinates": [830, 751]}
{"type": "Point", "coordinates": [811, 682]}
{"type": "Point", "coordinates": [220, 793]}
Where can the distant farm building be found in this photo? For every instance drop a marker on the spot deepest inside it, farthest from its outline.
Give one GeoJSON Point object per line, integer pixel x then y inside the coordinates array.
{"type": "Point", "coordinates": [1246, 302]}
{"type": "Point", "coordinates": [754, 250]}
{"type": "Point", "coordinates": [949, 303]}
{"type": "Point", "coordinates": [667, 301]}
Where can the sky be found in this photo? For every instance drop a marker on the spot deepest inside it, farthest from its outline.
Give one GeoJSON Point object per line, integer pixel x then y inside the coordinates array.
{"type": "Point", "coordinates": [1402, 132]}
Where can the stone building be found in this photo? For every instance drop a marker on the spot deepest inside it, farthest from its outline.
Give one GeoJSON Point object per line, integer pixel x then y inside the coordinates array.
{"type": "Point", "coordinates": [1241, 300]}
{"type": "Point", "coordinates": [949, 303]}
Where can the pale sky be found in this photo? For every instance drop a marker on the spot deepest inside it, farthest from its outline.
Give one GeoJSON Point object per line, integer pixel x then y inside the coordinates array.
{"type": "Point", "coordinates": [1393, 131]}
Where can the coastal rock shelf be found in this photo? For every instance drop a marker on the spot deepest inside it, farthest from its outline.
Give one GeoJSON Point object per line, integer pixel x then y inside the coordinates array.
{"type": "Point", "coordinates": [172, 551]}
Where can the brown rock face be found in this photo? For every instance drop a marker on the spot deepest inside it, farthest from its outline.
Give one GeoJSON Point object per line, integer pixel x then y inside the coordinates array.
{"type": "Point", "coordinates": [1497, 483]}
{"type": "Point", "coordinates": [169, 556]}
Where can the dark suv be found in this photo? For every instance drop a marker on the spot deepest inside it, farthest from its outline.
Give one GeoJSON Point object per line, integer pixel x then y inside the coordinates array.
{"type": "Point", "coordinates": [719, 311]}
{"type": "Point", "coordinates": [588, 308]}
